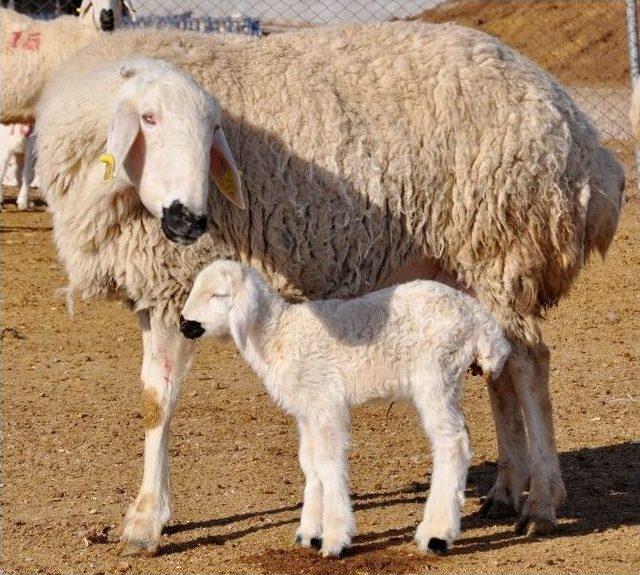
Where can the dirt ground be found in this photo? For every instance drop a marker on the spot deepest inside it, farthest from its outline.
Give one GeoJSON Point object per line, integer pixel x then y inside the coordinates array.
{"type": "Point", "coordinates": [578, 41]}
{"type": "Point", "coordinates": [72, 443]}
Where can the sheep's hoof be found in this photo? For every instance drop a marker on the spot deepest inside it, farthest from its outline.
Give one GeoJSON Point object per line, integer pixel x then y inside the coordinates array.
{"type": "Point", "coordinates": [496, 509]}
{"type": "Point", "coordinates": [533, 526]}
{"type": "Point", "coordinates": [136, 547]}
{"type": "Point", "coordinates": [437, 546]}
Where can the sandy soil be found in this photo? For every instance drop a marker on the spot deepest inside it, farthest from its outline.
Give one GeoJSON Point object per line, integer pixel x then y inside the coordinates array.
{"type": "Point", "coordinates": [72, 443]}
{"type": "Point", "coordinates": [578, 41]}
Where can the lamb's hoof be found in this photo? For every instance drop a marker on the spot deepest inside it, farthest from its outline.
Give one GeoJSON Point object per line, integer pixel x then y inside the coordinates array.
{"type": "Point", "coordinates": [494, 509]}
{"type": "Point", "coordinates": [136, 547]}
{"type": "Point", "coordinates": [437, 546]}
{"type": "Point", "coordinates": [309, 542]}
{"type": "Point", "coordinates": [533, 526]}
{"type": "Point", "coordinates": [331, 550]}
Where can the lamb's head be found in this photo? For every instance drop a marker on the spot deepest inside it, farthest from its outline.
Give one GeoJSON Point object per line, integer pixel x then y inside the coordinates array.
{"type": "Point", "coordinates": [105, 15]}
{"type": "Point", "coordinates": [207, 311]}
{"type": "Point", "coordinates": [165, 139]}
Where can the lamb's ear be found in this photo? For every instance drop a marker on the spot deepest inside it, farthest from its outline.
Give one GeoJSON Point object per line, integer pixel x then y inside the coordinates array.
{"type": "Point", "coordinates": [86, 4]}
{"type": "Point", "coordinates": [223, 169]}
{"type": "Point", "coordinates": [123, 132]}
{"type": "Point", "coordinates": [245, 306]}
{"type": "Point", "coordinates": [128, 7]}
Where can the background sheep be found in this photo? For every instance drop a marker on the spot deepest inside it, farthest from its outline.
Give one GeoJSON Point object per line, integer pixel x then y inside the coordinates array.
{"type": "Point", "coordinates": [367, 153]}
{"type": "Point", "coordinates": [15, 143]}
{"type": "Point", "coordinates": [412, 342]}
{"type": "Point", "coordinates": [32, 48]}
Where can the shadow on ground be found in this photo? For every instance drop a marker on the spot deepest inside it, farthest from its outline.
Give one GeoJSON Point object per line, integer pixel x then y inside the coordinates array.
{"type": "Point", "coordinates": [603, 485]}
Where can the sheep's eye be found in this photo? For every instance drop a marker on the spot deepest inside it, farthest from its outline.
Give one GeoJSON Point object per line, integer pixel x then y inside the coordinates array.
{"type": "Point", "coordinates": [149, 118]}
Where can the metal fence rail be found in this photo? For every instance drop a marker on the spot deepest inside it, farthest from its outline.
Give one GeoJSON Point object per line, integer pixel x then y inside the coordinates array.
{"type": "Point", "coordinates": [587, 44]}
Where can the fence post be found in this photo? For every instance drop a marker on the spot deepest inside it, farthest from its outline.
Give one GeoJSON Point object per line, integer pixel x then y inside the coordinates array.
{"type": "Point", "coordinates": [634, 61]}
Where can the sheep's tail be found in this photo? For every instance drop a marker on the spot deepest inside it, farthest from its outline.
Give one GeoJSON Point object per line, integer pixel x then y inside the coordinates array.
{"type": "Point", "coordinates": [492, 348]}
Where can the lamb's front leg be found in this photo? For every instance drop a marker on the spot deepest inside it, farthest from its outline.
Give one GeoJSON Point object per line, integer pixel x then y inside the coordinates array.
{"type": "Point", "coordinates": [443, 421]}
{"type": "Point", "coordinates": [309, 532]}
{"type": "Point", "coordinates": [167, 355]}
{"type": "Point", "coordinates": [331, 441]}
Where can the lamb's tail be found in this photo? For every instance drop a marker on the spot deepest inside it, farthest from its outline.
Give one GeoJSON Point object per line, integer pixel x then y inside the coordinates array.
{"type": "Point", "coordinates": [492, 348]}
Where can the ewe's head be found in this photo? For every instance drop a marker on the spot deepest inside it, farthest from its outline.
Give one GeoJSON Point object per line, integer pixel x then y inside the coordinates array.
{"type": "Point", "coordinates": [165, 139]}
{"type": "Point", "coordinates": [208, 308]}
{"type": "Point", "coordinates": [106, 15]}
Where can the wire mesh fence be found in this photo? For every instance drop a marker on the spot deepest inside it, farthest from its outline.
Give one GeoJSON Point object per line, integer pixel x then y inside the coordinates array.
{"type": "Point", "coordinates": [582, 42]}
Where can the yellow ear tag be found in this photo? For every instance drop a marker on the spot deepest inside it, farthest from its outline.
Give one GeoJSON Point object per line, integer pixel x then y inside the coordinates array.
{"type": "Point", "coordinates": [228, 183]}
{"type": "Point", "coordinates": [109, 162]}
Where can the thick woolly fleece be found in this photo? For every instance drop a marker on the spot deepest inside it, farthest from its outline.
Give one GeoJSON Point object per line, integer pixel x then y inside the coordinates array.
{"type": "Point", "coordinates": [31, 49]}
{"type": "Point", "coordinates": [362, 149]}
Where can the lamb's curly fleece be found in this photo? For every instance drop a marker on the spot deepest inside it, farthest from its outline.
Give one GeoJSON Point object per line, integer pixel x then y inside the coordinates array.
{"type": "Point", "coordinates": [362, 149]}
{"type": "Point", "coordinates": [25, 72]}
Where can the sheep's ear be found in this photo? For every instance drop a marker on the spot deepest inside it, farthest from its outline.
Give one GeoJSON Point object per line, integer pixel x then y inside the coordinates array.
{"type": "Point", "coordinates": [123, 132]}
{"type": "Point", "coordinates": [84, 7]}
{"type": "Point", "coordinates": [128, 7]}
{"type": "Point", "coordinates": [223, 169]}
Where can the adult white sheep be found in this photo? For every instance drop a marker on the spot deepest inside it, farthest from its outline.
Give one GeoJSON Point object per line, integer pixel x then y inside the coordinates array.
{"type": "Point", "coordinates": [16, 143]}
{"type": "Point", "coordinates": [32, 48]}
{"type": "Point", "coordinates": [367, 153]}
{"type": "Point", "coordinates": [412, 342]}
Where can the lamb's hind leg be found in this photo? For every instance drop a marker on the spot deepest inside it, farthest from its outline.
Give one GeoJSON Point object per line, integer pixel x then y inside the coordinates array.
{"type": "Point", "coordinates": [529, 368]}
{"type": "Point", "coordinates": [167, 355]}
{"type": "Point", "coordinates": [503, 499]}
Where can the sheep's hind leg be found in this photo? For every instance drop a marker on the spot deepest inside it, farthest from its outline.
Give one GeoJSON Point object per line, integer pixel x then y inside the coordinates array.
{"type": "Point", "coordinates": [443, 422]}
{"type": "Point", "coordinates": [167, 355]}
{"type": "Point", "coordinates": [529, 367]}
{"type": "Point", "coordinates": [309, 533]}
{"type": "Point", "coordinates": [503, 500]}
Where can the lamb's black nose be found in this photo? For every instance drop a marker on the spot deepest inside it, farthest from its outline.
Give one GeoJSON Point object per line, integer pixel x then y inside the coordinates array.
{"type": "Point", "coordinates": [191, 329]}
{"type": "Point", "coordinates": [107, 21]}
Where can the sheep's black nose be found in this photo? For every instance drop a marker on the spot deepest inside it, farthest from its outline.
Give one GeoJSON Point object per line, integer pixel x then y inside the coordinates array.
{"type": "Point", "coordinates": [181, 225]}
{"type": "Point", "coordinates": [107, 21]}
{"type": "Point", "coordinates": [191, 329]}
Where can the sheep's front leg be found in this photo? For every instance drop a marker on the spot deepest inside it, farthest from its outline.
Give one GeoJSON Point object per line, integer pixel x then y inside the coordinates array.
{"type": "Point", "coordinates": [310, 531]}
{"type": "Point", "coordinates": [26, 175]}
{"type": "Point", "coordinates": [5, 156]}
{"type": "Point", "coordinates": [443, 422]}
{"type": "Point", "coordinates": [331, 441]}
{"type": "Point", "coordinates": [167, 355]}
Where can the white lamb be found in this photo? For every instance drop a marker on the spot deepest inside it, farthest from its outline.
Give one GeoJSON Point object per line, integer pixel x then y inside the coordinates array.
{"type": "Point", "coordinates": [317, 359]}
{"type": "Point", "coordinates": [15, 142]}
